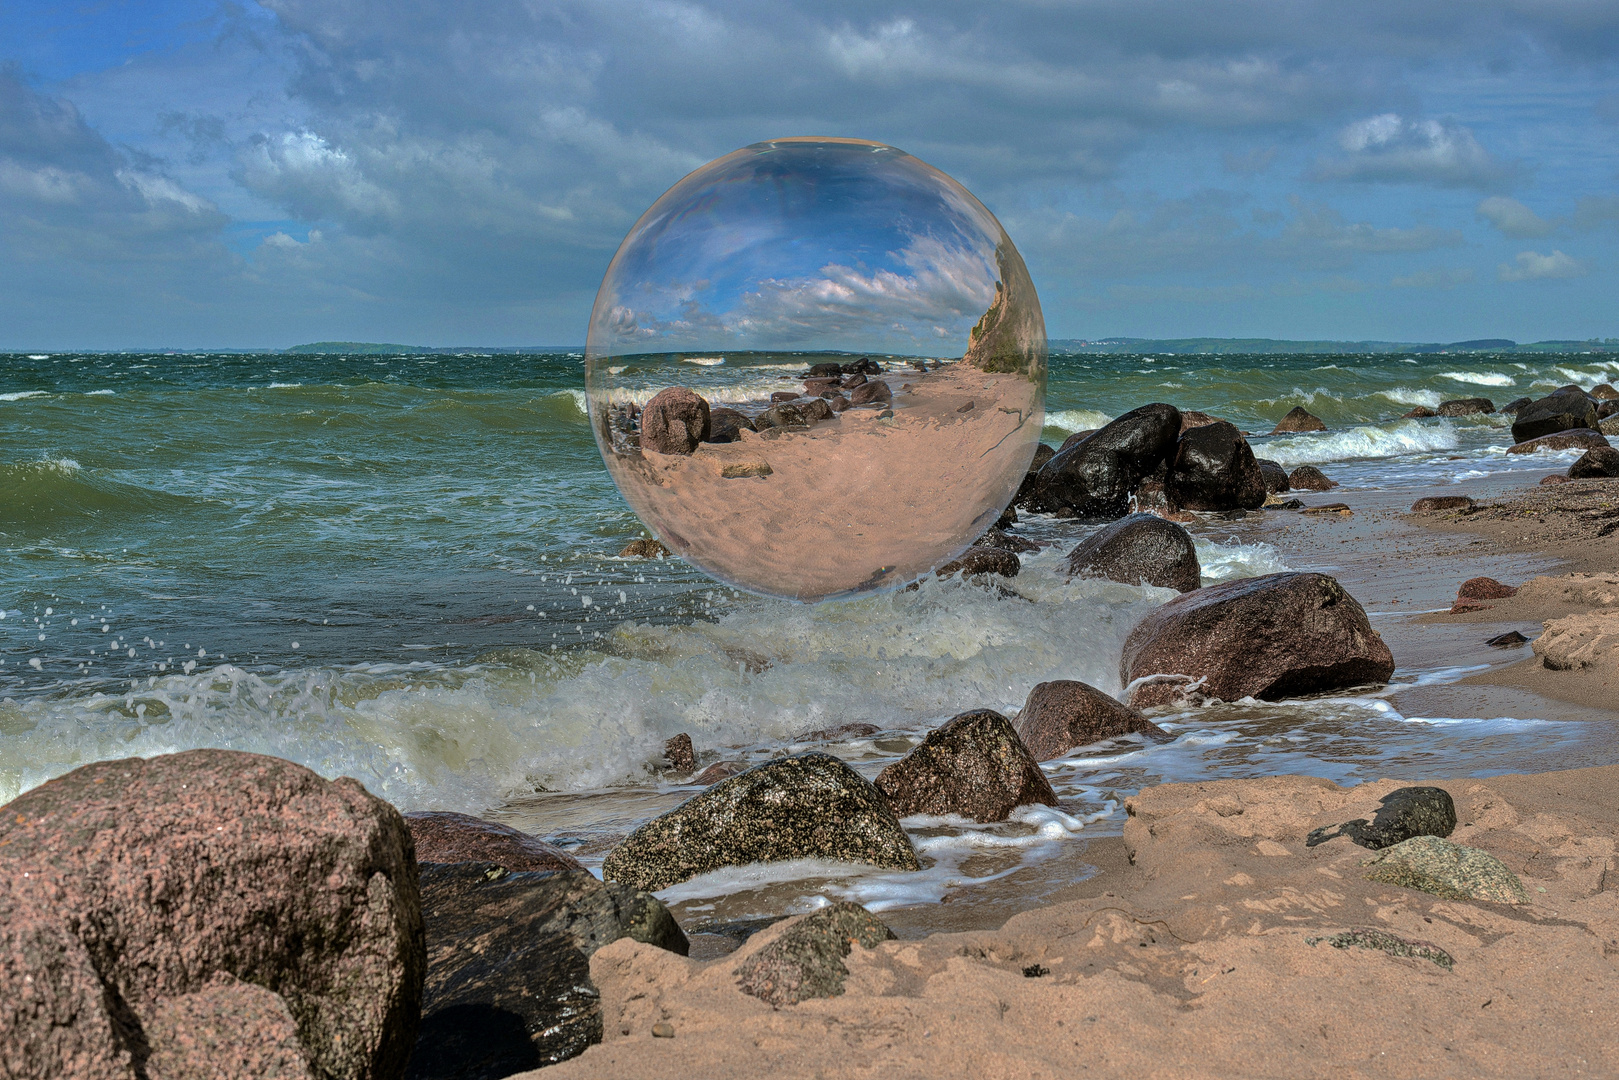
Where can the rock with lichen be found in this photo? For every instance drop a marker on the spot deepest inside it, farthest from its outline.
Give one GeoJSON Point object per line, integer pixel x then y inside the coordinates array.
{"type": "Point", "coordinates": [1432, 865]}
{"type": "Point", "coordinates": [806, 961]}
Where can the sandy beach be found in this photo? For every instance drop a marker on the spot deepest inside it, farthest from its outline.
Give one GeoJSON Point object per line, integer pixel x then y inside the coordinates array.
{"type": "Point", "coordinates": [1209, 940]}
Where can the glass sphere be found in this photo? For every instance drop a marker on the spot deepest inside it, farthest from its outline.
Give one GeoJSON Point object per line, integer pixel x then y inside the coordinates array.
{"type": "Point", "coordinates": [816, 368]}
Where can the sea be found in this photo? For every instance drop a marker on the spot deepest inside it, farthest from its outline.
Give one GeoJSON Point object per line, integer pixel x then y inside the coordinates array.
{"type": "Point", "coordinates": [406, 569]}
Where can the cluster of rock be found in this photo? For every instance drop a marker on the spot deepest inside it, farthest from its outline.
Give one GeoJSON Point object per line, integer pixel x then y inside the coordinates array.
{"type": "Point", "coordinates": [229, 916]}
{"type": "Point", "coordinates": [1158, 456]}
{"type": "Point", "coordinates": [677, 420]}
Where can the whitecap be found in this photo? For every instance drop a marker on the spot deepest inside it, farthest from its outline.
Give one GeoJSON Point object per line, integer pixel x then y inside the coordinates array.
{"type": "Point", "coordinates": [1404, 395]}
{"type": "Point", "coordinates": [703, 361]}
{"type": "Point", "coordinates": [1072, 420]}
{"type": "Point", "coordinates": [101, 393]}
{"type": "Point", "coordinates": [19, 395]}
{"type": "Point", "coordinates": [1396, 440]}
{"type": "Point", "coordinates": [1479, 378]}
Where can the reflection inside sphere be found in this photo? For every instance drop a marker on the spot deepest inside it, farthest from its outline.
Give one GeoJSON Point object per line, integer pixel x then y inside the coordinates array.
{"type": "Point", "coordinates": [816, 367]}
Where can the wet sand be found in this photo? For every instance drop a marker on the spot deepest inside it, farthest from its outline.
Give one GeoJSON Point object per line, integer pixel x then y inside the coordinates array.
{"type": "Point", "coordinates": [859, 501]}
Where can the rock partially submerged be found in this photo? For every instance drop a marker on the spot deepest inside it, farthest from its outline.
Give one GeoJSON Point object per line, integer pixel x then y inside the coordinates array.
{"type": "Point", "coordinates": [127, 886]}
{"type": "Point", "coordinates": [1432, 865]}
{"type": "Point", "coordinates": [1299, 419]}
{"type": "Point", "coordinates": [973, 765]}
{"type": "Point", "coordinates": [1561, 410]}
{"type": "Point", "coordinates": [982, 560]}
{"type": "Point", "coordinates": [1275, 476]}
{"type": "Point", "coordinates": [1466, 407]}
{"type": "Point", "coordinates": [1269, 637]}
{"type": "Point", "coordinates": [806, 806]}
{"type": "Point", "coordinates": [1062, 714]}
{"type": "Point", "coordinates": [644, 548]}
{"type": "Point", "coordinates": [508, 975]}
{"type": "Point", "coordinates": [1310, 478]}
{"type": "Point", "coordinates": [1574, 439]}
{"type": "Point", "coordinates": [1214, 469]}
{"type": "Point", "coordinates": [1142, 549]}
{"type": "Point", "coordinates": [806, 961]}
{"type": "Point", "coordinates": [1403, 813]}
{"type": "Point", "coordinates": [445, 837]}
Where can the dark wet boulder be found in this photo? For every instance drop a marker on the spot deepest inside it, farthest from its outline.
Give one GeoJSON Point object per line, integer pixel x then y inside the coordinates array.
{"type": "Point", "coordinates": [1214, 469]}
{"type": "Point", "coordinates": [1095, 478]}
{"type": "Point", "coordinates": [1603, 392]}
{"type": "Point", "coordinates": [785, 395]}
{"type": "Point", "coordinates": [816, 386]}
{"type": "Point", "coordinates": [1270, 637]}
{"type": "Point", "coordinates": [1514, 405]}
{"type": "Point", "coordinates": [973, 765]}
{"type": "Point", "coordinates": [1299, 419]}
{"type": "Point", "coordinates": [1310, 478]}
{"type": "Point", "coordinates": [444, 837]}
{"type": "Point", "coordinates": [1419, 412]}
{"type": "Point", "coordinates": [982, 560]}
{"type": "Point", "coordinates": [1005, 541]}
{"type": "Point", "coordinates": [644, 548]}
{"type": "Point", "coordinates": [127, 887]}
{"type": "Point", "coordinates": [1142, 549]}
{"type": "Point", "coordinates": [815, 410]}
{"type": "Point", "coordinates": [851, 381]}
{"type": "Point", "coordinates": [807, 806]}
{"type": "Point", "coordinates": [1607, 409]}
{"type": "Point", "coordinates": [1403, 813]}
{"type": "Point", "coordinates": [1025, 491]}
{"type": "Point", "coordinates": [841, 733]}
{"type": "Point", "coordinates": [1572, 439]}
{"type": "Point", "coordinates": [873, 392]}
{"type": "Point", "coordinates": [1599, 462]}
{"type": "Point", "coordinates": [863, 366]}
{"type": "Point", "coordinates": [508, 965]}
{"type": "Point", "coordinates": [725, 424]}
{"type": "Point", "coordinates": [1275, 476]}
{"type": "Point", "coordinates": [1064, 713]}
{"type": "Point", "coordinates": [674, 421]}
{"type": "Point", "coordinates": [1484, 588]}
{"type": "Point", "coordinates": [806, 961]}
{"type": "Point", "coordinates": [1435, 503]}
{"type": "Point", "coordinates": [1508, 640]}
{"type": "Point", "coordinates": [825, 371]}
{"type": "Point", "coordinates": [1558, 411]}
{"type": "Point", "coordinates": [1466, 406]}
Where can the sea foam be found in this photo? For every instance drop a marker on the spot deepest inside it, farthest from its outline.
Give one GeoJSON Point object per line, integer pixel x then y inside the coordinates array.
{"type": "Point", "coordinates": [1389, 440]}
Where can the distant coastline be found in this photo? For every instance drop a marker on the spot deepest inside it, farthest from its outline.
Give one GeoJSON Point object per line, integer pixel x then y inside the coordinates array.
{"type": "Point", "coordinates": [1260, 346]}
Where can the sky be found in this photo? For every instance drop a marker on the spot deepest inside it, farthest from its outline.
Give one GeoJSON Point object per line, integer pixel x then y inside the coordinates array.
{"type": "Point", "coordinates": [192, 174]}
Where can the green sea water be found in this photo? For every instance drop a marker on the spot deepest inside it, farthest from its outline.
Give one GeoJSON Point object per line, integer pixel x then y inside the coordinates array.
{"type": "Point", "coordinates": [405, 568]}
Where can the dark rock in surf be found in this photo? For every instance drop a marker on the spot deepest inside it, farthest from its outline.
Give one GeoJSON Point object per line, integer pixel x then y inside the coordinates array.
{"type": "Point", "coordinates": [1571, 439]}
{"type": "Point", "coordinates": [644, 548]}
{"type": "Point", "coordinates": [783, 417]}
{"type": "Point", "coordinates": [982, 560]}
{"type": "Point", "coordinates": [1604, 392]}
{"type": "Point", "coordinates": [720, 770]}
{"type": "Point", "coordinates": [1434, 503]}
{"type": "Point", "coordinates": [1076, 438]}
{"type": "Point", "coordinates": [807, 806]}
{"type": "Point", "coordinates": [816, 409]}
{"type": "Point", "coordinates": [724, 425]}
{"type": "Point", "coordinates": [863, 366]}
{"type": "Point", "coordinates": [508, 965]}
{"type": "Point", "coordinates": [1270, 637]}
{"type": "Point", "coordinates": [1095, 478]}
{"type": "Point", "coordinates": [1404, 813]}
{"type": "Point", "coordinates": [1310, 478]}
{"type": "Point", "coordinates": [785, 395]}
{"type": "Point", "coordinates": [679, 754]}
{"type": "Point", "coordinates": [995, 538]}
{"type": "Point", "coordinates": [825, 371]}
{"type": "Point", "coordinates": [1141, 549]}
{"type": "Point", "coordinates": [1275, 476]}
{"type": "Point", "coordinates": [806, 961]}
{"type": "Point", "coordinates": [1064, 713]}
{"type": "Point", "coordinates": [444, 837]}
{"type": "Point", "coordinates": [1007, 519]}
{"type": "Point", "coordinates": [1214, 469]}
{"type": "Point", "coordinates": [1607, 409]}
{"type": "Point", "coordinates": [1507, 640]}
{"type": "Point", "coordinates": [1025, 492]}
{"type": "Point", "coordinates": [127, 887]}
{"type": "Point", "coordinates": [1556, 412]}
{"type": "Point", "coordinates": [674, 421]}
{"type": "Point", "coordinates": [1191, 418]}
{"type": "Point", "coordinates": [974, 765]}
{"type": "Point", "coordinates": [852, 381]}
{"type": "Point", "coordinates": [1466, 406]}
{"type": "Point", "coordinates": [1420, 412]}
{"type": "Point", "coordinates": [1299, 419]}
{"type": "Point", "coordinates": [1597, 463]}
{"type": "Point", "coordinates": [856, 730]}
{"type": "Point", "coordinates": [1514, 405]}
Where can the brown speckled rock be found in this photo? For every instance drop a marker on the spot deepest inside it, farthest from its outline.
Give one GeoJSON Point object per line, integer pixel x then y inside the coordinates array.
{"type": "Point", "coordinates": [804, 806]}
{"type": "Point", "coordinates": [226, 1030]}
{"type": "Point", "coordinates": [1299, 419]}
{"type": "Point", "coordinates": [1142, 549]}
{"type": "Point", "coordinates": [674, 421]}
{"type": "Point", "coordinates": [807, 960]}
{"type": "Point", "coordinates": [982, 560]}
{"type": "Point", "coordinates": [1485, 588]}
{"type": "Point", "coordinates": [1572, 439]}
{"type": "Point", "coordinates": [1270, 637]}
{"type": "Point", "coordinates": [974, 765]}
{"type": "Point", "coordinates": [445, 837]}
{"type": "Point", "coordinates": [1434, 503]}
{"type": "Point", "coordinates": [125, 885]}
{"type": "Point", "coordinates": [508, 965]}
{"type": "Point", "coordinates": [680, 755]}
{"type": "Point", "coordinates": [1064, 713]}
{"type": "Point", "coordinates": [1310, 478]}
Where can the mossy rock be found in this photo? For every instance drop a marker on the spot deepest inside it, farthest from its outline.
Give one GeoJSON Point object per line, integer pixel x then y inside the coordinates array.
{"type": "Point", "coordinates": [1383, 941]}
{"type": "Point", "coordinates": [807, 960]}
{"type": "Point", "coordinates": [1432, 865]}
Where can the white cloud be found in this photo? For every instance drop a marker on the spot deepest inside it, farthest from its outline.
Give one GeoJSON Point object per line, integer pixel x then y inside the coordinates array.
{"type": "Point", "coordinates": [1532, 266]}
{"type": "Point", "coordinates": [1513, 218]}
{"type": "Point", "coordinates": [1390, 148]}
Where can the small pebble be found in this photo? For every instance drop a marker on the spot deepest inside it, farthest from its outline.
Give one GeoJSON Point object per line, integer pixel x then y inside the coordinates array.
{"type": "Point", "coordinates": [663, 1030]}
